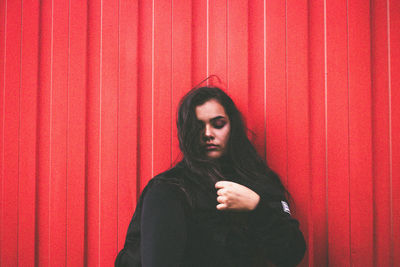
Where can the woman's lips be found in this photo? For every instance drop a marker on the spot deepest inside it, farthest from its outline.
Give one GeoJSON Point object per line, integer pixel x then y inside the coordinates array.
{"type": "Point", "coordinates": [211, 147]}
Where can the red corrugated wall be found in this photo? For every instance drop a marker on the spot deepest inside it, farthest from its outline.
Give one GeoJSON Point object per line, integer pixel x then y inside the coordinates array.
{"type": "Point", "coordinates": [89, 91]}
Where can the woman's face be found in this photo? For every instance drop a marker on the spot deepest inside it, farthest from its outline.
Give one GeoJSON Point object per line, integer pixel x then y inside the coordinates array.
{"type": "Point", "coordinates": [216, 128]}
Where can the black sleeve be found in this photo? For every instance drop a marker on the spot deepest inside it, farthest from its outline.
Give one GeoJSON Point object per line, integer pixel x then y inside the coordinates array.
{"type": "Point", "coordinates": [163, 226]}
{"type": "Point", "coordinates": [276, 233]}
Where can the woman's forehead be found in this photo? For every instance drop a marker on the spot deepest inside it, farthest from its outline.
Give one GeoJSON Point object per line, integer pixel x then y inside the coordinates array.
{"type": "Point", "coordinates": [209, 110]}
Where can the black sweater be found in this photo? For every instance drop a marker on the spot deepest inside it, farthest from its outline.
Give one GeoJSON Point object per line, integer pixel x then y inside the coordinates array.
{"type": "Point", "coordinates": [168, 231]}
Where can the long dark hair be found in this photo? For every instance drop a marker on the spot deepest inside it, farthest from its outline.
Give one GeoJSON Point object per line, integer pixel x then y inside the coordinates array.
{"type": "Point", "coordinates": [241, 156]}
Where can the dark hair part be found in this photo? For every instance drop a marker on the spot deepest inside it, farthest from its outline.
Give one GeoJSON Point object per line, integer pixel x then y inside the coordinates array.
{"type": "Point", "coordinates": [241, 156]}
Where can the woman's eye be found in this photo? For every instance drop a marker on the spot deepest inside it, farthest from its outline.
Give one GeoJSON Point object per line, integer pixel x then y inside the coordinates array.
{"type": "Point", "coordinates": [219, 124]}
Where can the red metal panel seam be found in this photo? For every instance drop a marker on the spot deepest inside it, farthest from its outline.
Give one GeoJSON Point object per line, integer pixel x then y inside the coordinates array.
{"type": "Point", "coordinates": [118, 113]}
{"type": "Point", "coordinates": [118, 121]}
{"type": "Point", "coordinates": [50, 121]}
{"type": "Point", "coordinates": [192, 38]}
{"type": "Point", "coordinates": [37, 254]}
{"type": "Point", "coordinates": [138, 159]}
{"type": "Point", "coordinates": [208, 40]}
{"type": "Point", "coordinates": [100, 133]}
{"type": "Point", "coordinates": [85, 219]}
{"type": "Point", "coordinates": [3, 117]}
{"type": "Point", "coordinates": [85, 183]}
{"type": "Point", "coordinates": [348, 125]}
{"type": "Point", "coordinates": [3, 122]}
{"type": "Point", "coordinates": [27, 171]}
{"type": "Point", "coordinates": [227, 46]}
{"type": "Point", "coordinates": [287, 100]}
{"type": "Point", "coordinates": [67, 132]}
{"type": "Point", "coordinates": [152, 85]}
{"type": "Point", "coordinates": [265, 78]}
{"type": "Point", "coordinates": [390, 132]}
{"type": "Point", "coordinates": [19, 127]}
{"type": "Point", "coordinates": [326, 134]}
{"type": "Point", "coordinates": [172, 82]}
{"type": "Point", "coordinates": [310, 239]}
{"type": "Point", "coordinates": [371, 20]}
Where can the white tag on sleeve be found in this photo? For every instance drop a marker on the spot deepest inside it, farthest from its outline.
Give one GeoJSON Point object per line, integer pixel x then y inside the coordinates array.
{"type": "Point", "coordinates": [285, 207]}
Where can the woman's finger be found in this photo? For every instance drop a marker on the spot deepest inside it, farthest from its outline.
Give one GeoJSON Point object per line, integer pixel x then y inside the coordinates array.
{"type": "Point", "coordinates": [221, 199]}
{"type": "Point", "coordinates": [222, 184]}
{"type": "Point", "coordinates": [222, 207]}
{"type": "Point", "coordinates": [221, 192]}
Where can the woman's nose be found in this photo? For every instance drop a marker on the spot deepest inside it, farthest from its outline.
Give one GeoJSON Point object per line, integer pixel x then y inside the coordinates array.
{"type": "Point", "coordinates": [208, 133]}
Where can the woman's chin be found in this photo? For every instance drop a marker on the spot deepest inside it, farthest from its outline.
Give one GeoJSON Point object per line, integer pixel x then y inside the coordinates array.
{"type": "Point", "coordinates": [214, 154]}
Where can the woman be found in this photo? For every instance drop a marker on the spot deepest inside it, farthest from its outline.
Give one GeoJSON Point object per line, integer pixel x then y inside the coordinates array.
{"type": "Point", "coordinates": [220, 206]}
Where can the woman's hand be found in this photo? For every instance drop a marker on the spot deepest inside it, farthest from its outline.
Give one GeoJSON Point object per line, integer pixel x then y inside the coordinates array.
{"type": "Point", "coordinates": [234, 196]}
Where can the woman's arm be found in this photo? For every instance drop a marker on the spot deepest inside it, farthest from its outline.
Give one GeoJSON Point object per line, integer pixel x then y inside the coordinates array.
{"type": "Point", "coordinates": [163, 227]}
{"type": "Point", "coordinates": [275, 233]}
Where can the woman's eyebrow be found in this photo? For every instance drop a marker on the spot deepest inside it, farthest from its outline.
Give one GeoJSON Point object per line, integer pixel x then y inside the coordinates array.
{"type": "Point", "coordinates": [217, 118]}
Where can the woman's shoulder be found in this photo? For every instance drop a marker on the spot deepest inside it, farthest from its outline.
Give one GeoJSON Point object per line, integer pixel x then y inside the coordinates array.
{"type": "Point", "coordinates": [163, 195]}
{"type": "Point", "coordinates": [167, 184]}
{"type": "Point", "coordinates": [173, 174]}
